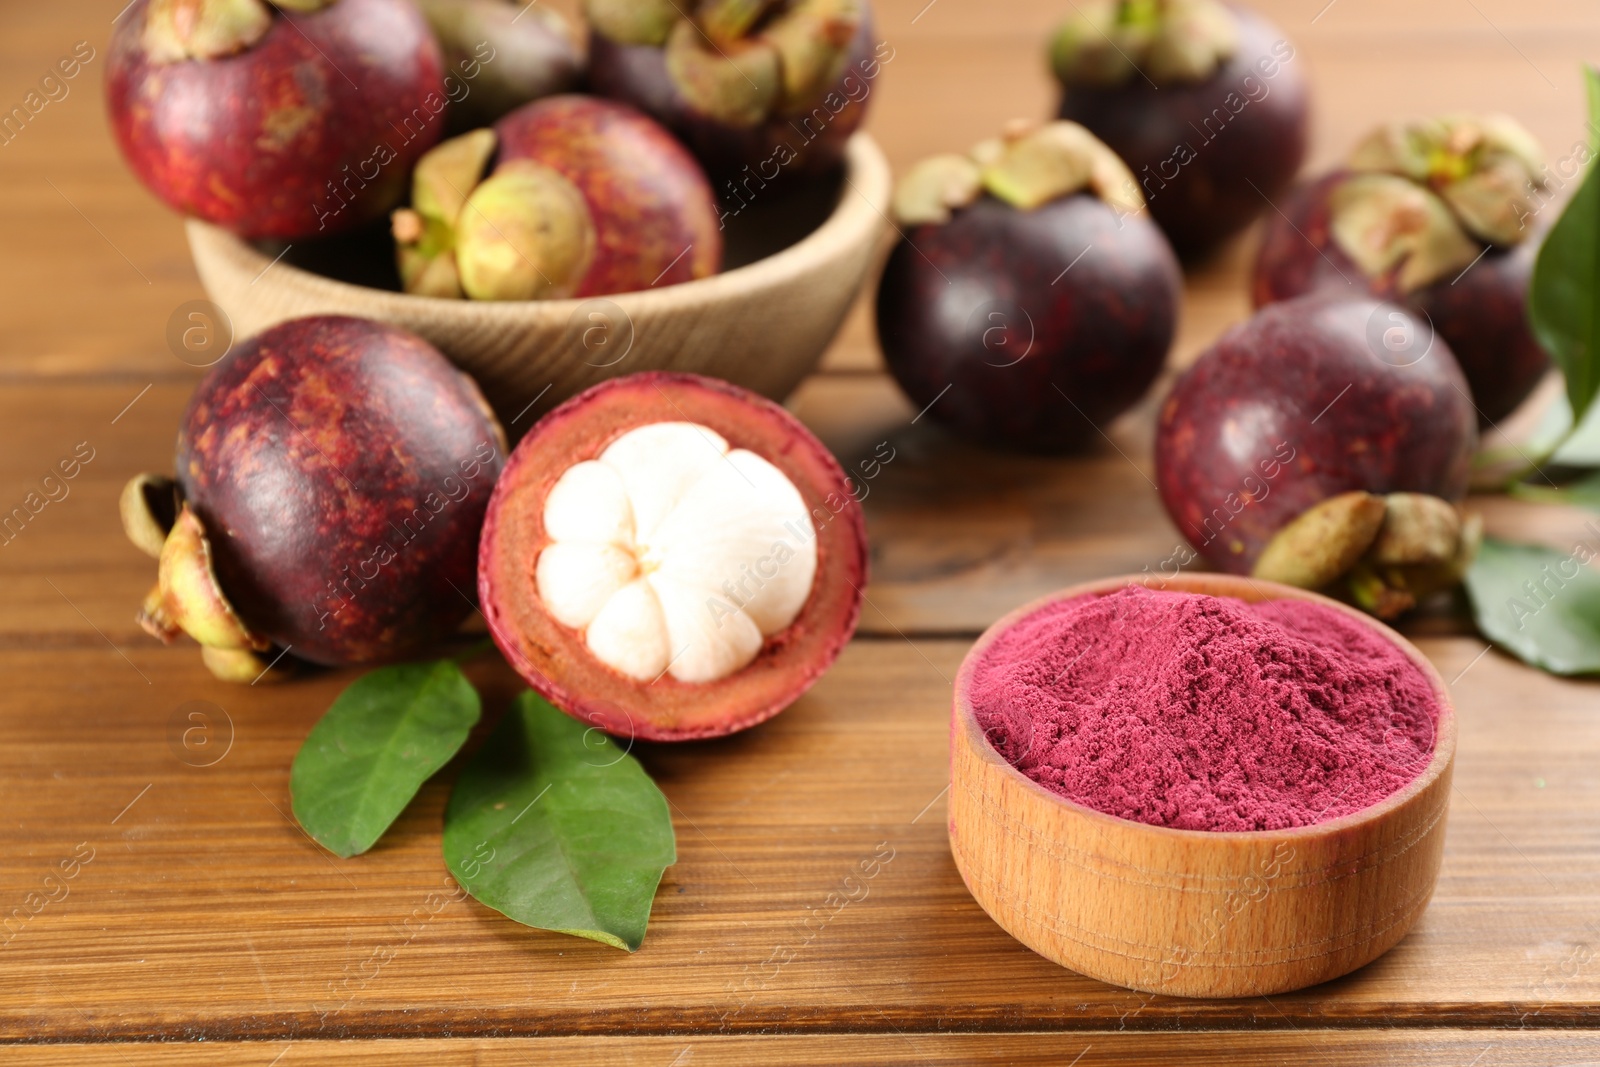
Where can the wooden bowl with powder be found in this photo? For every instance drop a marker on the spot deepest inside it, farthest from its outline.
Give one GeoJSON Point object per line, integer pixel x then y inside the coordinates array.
{"type": "Point", "coordinates": [1200, 912]}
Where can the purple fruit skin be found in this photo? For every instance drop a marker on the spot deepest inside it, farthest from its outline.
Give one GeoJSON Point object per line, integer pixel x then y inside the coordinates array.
{"type": "Point", "coordinates": [1101, 324]}
{"type": "Point", "coordinates": [1482, 314]}
{"type": "Point", "coordinates": [1239, 163]}
{"type": "Point", "coordinates": [637, 74]}
{"type": "Point", "coordinates": [1292, 407]}
{"type": "Point", "coordinates": [312, 446]}
{"type": "Point", "coordinates": [287, 138]}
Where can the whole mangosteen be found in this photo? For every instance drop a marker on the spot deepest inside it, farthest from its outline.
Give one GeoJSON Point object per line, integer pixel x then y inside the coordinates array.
{"type": "Point", "coordinates": [585, 197]}
{"type": "Point", "coordinates": [291, 121]}
{"type": "Point", "coordinates": [1442, 216]}
{"type": "Point", "coordinates": [672, 557]}
{"type": "Point", "coordinates": [1031, 299]}
{"type": "Point", "coordinates": [1204, 101]}
{"type": "Point", "coordinates": [332, 477]}
{"type": "Point", "coordinates": [760, 90]}
{"type": "Point", "coordinates": [1301, 442]}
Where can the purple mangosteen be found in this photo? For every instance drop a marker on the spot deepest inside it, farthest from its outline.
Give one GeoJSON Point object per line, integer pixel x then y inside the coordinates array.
{"type": "Point", "coordinates": [1031, 300]}
{"type": "Point", "coordinates": [1205, 102]}
{"type": "Point", "coordinates": [1443, 216]}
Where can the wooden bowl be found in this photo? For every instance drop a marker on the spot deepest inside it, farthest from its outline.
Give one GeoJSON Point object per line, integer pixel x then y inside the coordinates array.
{"type": "Point", "coordinates": [795, 265]}
{"type": "Point", "coordinates": [1187, 912]}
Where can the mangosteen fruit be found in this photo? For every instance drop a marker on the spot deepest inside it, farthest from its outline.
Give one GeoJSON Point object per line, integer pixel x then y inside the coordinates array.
{"type": "Point", "coordinates": [501, 54]}
{"type": "Point", "coordinates": [672, 557]}
{"type": "Point", "coordinates": [289, 121]}
{"type": "Point", "coordinates": [1321, 442]}
{"type": "Point", "coordinates": [332, 478]}
{"type": "Point", "coordinates": [567, 196]}
{"type": "Point", "coordinates": [1204, 102]}
{"type": "Point", "coordinates": [1440, 215]}
{"type": "Point", "coordinates": [760, 90]}
{"type": "Point", "coordinates": [1030, 300]}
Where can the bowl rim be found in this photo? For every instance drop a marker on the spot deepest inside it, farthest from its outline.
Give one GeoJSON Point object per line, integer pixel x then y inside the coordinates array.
{"type": "Point", "coordinates": [1255, 591]}
{"type": "Point", "coordinates": [863, 200]}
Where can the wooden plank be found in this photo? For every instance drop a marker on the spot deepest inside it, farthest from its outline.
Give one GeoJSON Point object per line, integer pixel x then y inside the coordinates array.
{"type": "Point", "coordinates": [204, 912]}
{"type": "Point", "coordinates": [960, 535]}
{"type": "Point", "coordinates": [100, 266]}
{"type": "Point", "coordinates": [1436, 1048]}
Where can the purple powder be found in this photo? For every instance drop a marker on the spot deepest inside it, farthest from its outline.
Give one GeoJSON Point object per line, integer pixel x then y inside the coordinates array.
{"type": "Point", "coordinates": [1206, 713]}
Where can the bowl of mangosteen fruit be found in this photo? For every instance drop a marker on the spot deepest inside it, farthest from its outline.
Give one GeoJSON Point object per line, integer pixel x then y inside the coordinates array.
{"type": "Point", "coordinates": [431, 167]}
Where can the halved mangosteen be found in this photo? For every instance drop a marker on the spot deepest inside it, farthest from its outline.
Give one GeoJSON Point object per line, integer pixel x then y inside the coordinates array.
{"type": "Point", "coordinates": [671, 557]}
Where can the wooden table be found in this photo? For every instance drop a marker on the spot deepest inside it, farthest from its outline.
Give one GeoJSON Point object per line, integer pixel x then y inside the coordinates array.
{"type": "Point", "coordinates": [204, 916]}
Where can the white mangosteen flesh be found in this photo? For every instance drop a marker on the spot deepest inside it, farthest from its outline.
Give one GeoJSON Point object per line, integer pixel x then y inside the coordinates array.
{"type": "Point", "coordinates": [675, 554]}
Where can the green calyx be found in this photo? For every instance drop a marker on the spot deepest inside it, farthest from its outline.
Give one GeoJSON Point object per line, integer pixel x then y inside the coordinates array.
{"type": "Point", "coordinates": [813, 43]}
{"type": "Point", "coordinates": [632, 21]}
{"type": "Point", "coordinates": [1386, 554]}
{"type": "Point", "coordinates": [736, 84]}
{"type": "Point", "coordinates": [522, 233]}
{"type": "Point", "coordinates": [525, 234]}
{"type": "Point", "coordinates": [149, 507]}
{"type": "Point", "coordinates": [1486, 170]}
{"type": "Point", "coordinates": [1028, 166]}
{"type": "Point", "coordinates": [176, 30]}
{"type": "Point", "coordinates": [1386, 223]}
{"type": "Point", "coordinates": [741, 62]}
{"type": "Point", "coordinates": [1107, 43]}
{"type": "Point", "coordinates": [187, 598]}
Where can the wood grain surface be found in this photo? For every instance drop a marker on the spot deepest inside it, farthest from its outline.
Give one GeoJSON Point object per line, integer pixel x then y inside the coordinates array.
{"type": "Point", "coordinates": [196, 910]}
{"type": "Point", "coordinates": [1429, 1048]}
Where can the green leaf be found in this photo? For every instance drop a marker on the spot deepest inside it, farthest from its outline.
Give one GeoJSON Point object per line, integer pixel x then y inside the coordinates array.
{"type": "Point", "coordinates": [555, 826]}
{"type": "Point", "coordinates": [1567, 447]}
{"type": "Point", "coordinates": [1540, 604]}
{"type": "Point", "coordinates": [1564, 295]}
{"type": "Point", "coordinates": [385, 735]}
{"type": "Point", "coordinates": [1583, 493]}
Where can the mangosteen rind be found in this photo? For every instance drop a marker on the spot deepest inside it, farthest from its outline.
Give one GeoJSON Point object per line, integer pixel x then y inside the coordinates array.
{"type": "Point", "coordinates": [1301, 403]}
{"type": "Point", "coordinates": [340, 469]}
{"type": "Point", "coordinates": [554, 657]}
{"type": "Point", "coordinates": [1209, 156]}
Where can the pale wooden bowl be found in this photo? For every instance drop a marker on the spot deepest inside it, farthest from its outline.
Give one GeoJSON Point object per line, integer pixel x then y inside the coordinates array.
{"type": "Point", "coordinates": [796, 265]}
{"type": "Point", "coordinates": [1187, 912]}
